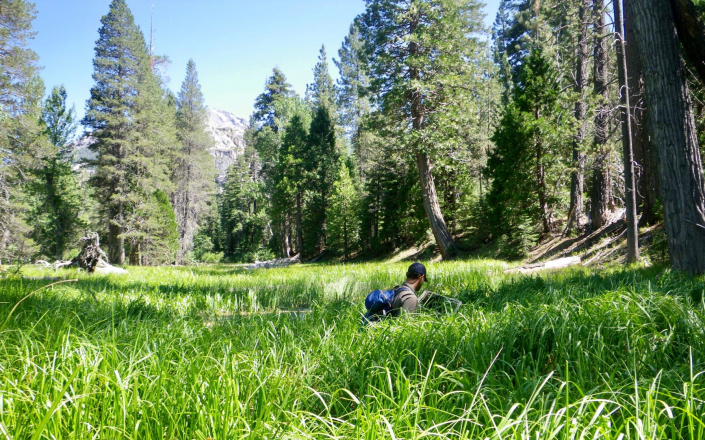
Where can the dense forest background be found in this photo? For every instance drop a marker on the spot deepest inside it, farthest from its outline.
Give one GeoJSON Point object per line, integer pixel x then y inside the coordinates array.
{"type": "Point", "coordinates": [437, 131]}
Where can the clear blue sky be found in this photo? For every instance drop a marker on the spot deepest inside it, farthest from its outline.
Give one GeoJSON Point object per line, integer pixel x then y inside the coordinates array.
{"type": "Point", "coordinates": [235, 43]}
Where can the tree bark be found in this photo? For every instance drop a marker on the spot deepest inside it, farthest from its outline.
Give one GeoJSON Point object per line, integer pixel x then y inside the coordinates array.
{"type": "Point", "coordinates": [627, 147]}
{"type": "Point", "coordinates": [444, 240]}
{"type": "Point", "coordinates": [601, 182]}
{"type": "Point", "coordinates": [673, 131]}
{"type": "Point", "coordinates": [299, 226]}
{"type": "Point", "coordinates": [577, 181]}
{"type": "Point", "coordinates": [691, 33]}
{"type": "Point", "coordinates": [541, 185]}
{"type": "Point", "coordinates": [646, 166]}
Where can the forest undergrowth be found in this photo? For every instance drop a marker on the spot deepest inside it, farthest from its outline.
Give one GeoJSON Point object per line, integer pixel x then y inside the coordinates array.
{"type": "Point", "coordinates": [219, 352]}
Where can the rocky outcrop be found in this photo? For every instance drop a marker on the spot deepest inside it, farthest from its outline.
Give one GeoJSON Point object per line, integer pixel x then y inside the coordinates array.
{"type": "Point", "coordinates": [226, 129]}
{"type": "Point", "coordinates": [228, 133]}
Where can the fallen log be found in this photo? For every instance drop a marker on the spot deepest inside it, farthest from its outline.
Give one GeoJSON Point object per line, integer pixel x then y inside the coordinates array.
{"type": "Point", "coordinates": [276, 263]}
{"type": "Point", "coordinates": [561, 263]}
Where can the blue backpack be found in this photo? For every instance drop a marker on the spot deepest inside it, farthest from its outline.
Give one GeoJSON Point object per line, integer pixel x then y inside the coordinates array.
{"type": "Point", "coordinates": [379, 302]}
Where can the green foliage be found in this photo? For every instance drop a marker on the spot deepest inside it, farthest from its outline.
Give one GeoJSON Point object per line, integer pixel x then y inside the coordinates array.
{"type": "Point", "coordinates": [132, 119]}
{"type": "Point", "coordinates": [353, 102]}
{"type": "Point", "coordinates": [276, 87]}
{"type": "Point", "coordinates": [322, 92]}
{"type": "Point", "coordinates": [343, 214]}
{"type": "Point", "coordinates": [392, 211]}
{"type": "Point", "coordinates": [18, 62]}
{"type": "Point", "coordinates": [617, 352]}
{"type": "Point", "coordinates": [242, 211]}
{"type": "Point", "coordinates": [529, 145]}
{"type": "Point", "coordinates": [157, 242]}
{"type": "Point", "coordinates": [320, 163]}
{"type": "Point", "coordinates": [194, 173]}
{"type": "Point", "coordinates": [56, 213]}
{"type": "Point", "coordinates": [22, 142]}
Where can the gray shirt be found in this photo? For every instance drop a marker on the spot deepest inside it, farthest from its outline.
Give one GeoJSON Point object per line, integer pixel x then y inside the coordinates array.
{"type": "Point", "coordinates": [405, 299]}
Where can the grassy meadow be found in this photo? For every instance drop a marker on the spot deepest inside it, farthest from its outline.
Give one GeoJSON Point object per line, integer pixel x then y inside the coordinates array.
{"type": "Point", "coordinates": [222, 353]}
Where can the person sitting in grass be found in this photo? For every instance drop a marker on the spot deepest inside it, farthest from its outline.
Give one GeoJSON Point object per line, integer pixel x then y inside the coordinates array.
{"type": "Point", "coordinates": [405, 298]}
{"type": "Point", "coordinates": [383, 303]}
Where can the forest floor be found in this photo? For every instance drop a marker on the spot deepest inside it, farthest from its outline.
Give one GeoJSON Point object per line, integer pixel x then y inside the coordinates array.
{"type": "Point", "coordinates": [601, 248]}
{"type": "Point", "coordinates": [220, 352]}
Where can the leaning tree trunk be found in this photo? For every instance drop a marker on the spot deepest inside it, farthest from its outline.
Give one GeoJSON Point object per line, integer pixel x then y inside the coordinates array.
{"type": "Point", "coordinates": [577, 181]}
{"type": "Point", "coordinates": [444, 239]}
{"type": "Point", "coordinates": [627, 147]}
{"type": "Point", "coordinates": [672, 128]}
{"type": "Point", "coordinates": [646, 166]}
{"type": "Point", "coordinates": [601, 184]}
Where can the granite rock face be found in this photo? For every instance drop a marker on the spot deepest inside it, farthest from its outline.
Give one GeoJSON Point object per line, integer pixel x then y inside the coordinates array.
{"type": "Point", "coordinates": [228, 133]}
{"type": "Point", "coordinates": [226, 129]}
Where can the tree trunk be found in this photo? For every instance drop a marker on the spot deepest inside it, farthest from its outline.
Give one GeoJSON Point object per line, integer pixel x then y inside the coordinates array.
{"type": "Point", "coordinates": [672, 127]}
{"type": "Point", "coordinates": [445, 241]}
{"type": "Point", "coordinates": [299, 227]}
{"type": "Point", "coordinates": [541, 185]}
{"type": "Point", "coordinates": [577, 181]}
{"type": "Point", "coordinates": [627, 147]}
{"type": "Point", "coordinates": [646, 167]}
{"type": "Point", "coordinates": [601, 182]}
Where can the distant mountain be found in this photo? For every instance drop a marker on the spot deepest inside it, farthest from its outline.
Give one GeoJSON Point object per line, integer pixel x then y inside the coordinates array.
{"type": "Point", "coordinates": [226, 129]}
{"type": "Point", "coordinates": [228, 132]}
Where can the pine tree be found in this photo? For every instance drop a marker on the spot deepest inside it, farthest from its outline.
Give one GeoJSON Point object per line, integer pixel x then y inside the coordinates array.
{"type": "Point", "coordinates": [292, 179]}
{"type": "Point", "coordinates": [528, 146]}
{"type": "Point", "coordinates": [242, 210]}
{"type": "Point", "coordinates": [353, 100]}
{"type": "Point", "coordinates": [22, 142]}
{"type": "Point", "coordinates": [194, 175]}
{"type": "Point", "coordinates": [343, 214]}
{"type": "Point", "coordinates": [601, 200]}
{"type": "Point", "coordinates": [276, 87]}
{"type": "Point", "coordinates": [156, 242]}
{"type": "Point", "coordinates": [120, 51]}
{"type": "Point", "coordinates": [320, 162]}
{"type": "Point", "coordinates": [130, 117]}
{"type": "Point", "coordinates": [322, 91]}
{"type": "Point", "coordinates": [672, 127]}
{"type": "Point", "coordinates": [55, 217]}
{"type": "Point", "coordinates": [421, 54]}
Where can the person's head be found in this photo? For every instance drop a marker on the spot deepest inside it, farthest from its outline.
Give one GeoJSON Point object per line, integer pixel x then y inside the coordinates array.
{"type": "Point", "coordinates": [416, 275]}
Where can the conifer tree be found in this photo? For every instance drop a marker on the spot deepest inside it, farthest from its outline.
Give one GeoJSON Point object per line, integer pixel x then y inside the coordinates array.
{"type": "Point", "coordinates": [275, 88]}
{"type": "Point", "coordinates": [133, 124]}
{"type": "Point", "coordinates": [120, 55]}
{"type": "Point", "coordinates": [320, 161]}
{"type": "Point", "coordinates": [292, 178]}
{"type": "Point", "coordinates": [421, 52]}
{"type": "Point", "coordinates": [322, 91]}
{"type": "Point", "coordinates": [55, 217]}
{"type": "Point", "coordinates": [22, 143]}
{"type": "Point", "coordinates": [343, 213]}
{"type": "Point", "coordinates": [194, 174]}
{"type": "Point", "coordinates": [528, 144]}
{"type": "Point", "coordinates": [353, 100]}
{"type": "Point", "coordinates": [156, 241]}
{"type": "Point", "coordinates": [242, 209]}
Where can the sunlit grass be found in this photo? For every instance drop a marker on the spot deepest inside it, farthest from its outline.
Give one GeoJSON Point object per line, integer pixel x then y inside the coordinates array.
{"type": "Point", "coordinates": [218, 352]}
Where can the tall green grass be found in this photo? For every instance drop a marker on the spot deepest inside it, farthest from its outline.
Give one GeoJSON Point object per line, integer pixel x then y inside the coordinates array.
{"type": "Point", "coordinates": [221, 353]}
